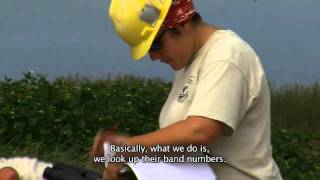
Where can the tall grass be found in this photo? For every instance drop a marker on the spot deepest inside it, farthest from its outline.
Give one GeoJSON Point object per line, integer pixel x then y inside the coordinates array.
{"type": "Point", "coordinates": [296, 107]}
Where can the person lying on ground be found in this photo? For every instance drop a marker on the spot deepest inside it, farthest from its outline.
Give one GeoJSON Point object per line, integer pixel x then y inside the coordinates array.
{"type": "Point", "coordinates": [27, 168]}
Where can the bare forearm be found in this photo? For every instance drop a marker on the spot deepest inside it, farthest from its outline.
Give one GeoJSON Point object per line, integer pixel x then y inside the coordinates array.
{"type": "Point", "coordinates": [190, 131]}
{"type": "Point", "coordinates": [176, 134]}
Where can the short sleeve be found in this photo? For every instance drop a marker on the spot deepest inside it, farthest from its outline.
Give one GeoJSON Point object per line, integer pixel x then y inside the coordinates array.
{"type": "Point", "coordinates": [222, 94]}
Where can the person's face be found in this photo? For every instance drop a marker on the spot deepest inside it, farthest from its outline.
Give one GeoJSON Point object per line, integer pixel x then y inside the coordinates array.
{"type": "Point", "coordinates": [173, 49]}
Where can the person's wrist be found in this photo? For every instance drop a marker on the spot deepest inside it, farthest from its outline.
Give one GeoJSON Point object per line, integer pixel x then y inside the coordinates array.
{"type": "Point", "coordinates": [121, 141]}
{"type": "Point", "coordinates": [127, 141]}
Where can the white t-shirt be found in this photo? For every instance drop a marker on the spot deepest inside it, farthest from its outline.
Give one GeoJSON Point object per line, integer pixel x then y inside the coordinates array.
{"type": "Point", "coordinates": [226, 82]}
{"type": "Point", "coordinates": [27, 168]}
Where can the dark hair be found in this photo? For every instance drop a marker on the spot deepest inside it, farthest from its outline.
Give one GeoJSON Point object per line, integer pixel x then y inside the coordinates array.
{"type": "Point", "coordinates": [196, 18]}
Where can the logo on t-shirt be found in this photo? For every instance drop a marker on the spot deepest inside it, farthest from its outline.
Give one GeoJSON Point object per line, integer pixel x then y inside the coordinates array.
{"type": "Point", "coordinates": [185, 90]}
{"type": "Point", "coordinates": [184, 94]}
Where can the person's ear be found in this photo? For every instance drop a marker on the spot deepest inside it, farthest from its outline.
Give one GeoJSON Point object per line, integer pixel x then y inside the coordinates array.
{"type": "Point", "coordinates": [187, 27]}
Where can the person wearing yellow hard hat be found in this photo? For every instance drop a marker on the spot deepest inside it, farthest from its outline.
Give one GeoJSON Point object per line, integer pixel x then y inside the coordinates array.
{"type": "Point", "coordinates": [220, 96]}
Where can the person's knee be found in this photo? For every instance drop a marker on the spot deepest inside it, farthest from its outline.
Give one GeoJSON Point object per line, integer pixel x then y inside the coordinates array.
{"type": "Point", "coordinates": [8, 173]}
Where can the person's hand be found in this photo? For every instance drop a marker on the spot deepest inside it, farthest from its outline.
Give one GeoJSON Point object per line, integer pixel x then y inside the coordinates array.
{"type": "Point", "coordinates": [111, 172]}
{"type": "Point", "coordinates": [8, 173]}
{"type": "Point", "coordinates": [108, 135]}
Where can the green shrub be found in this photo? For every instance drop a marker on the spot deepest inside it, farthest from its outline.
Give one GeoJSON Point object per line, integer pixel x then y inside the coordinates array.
{"type": "Point", "coordinates": [57, 120]}
{"type": "Point", "coordinates": [297, 156]}
{"type": "Point", "coordinates": [67, 112]}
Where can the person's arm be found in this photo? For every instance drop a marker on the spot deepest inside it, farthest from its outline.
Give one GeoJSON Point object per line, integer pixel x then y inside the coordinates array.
{"type": "Point", "coordinates": [8, 173]}
{"type": "Point", "coordinates": [194, 130]}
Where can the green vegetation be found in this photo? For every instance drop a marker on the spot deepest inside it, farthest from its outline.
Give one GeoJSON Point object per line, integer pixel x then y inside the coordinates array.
{"type": "Point", "coordinates": [56, 121]}
{"type": "Point", "coordinates": [296, 107]}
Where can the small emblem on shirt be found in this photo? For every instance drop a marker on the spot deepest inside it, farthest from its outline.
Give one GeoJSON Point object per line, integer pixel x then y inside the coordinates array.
{"type": "Point", "coordinates": [185, 90]}
{"type": "Point", "coordinates": [184, 94]}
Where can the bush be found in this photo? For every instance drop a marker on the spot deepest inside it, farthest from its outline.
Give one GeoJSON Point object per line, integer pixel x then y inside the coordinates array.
{"type": "Point", "coordinates": [296, 155]}
{"type": "Point", "coordinates": [57, 120]}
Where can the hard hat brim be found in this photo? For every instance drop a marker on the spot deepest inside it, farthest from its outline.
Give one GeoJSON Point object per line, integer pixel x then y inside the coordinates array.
{"type": "Point", "coordinates": [139, 51]}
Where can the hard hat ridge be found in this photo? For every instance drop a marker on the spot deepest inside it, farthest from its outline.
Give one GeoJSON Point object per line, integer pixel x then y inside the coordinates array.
{"type": "Point", "coordinates": [138, 21]}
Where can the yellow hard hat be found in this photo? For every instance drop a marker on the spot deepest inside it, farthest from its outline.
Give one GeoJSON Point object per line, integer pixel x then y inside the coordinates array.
{"type": "Point", "coordinates": [137, 22]}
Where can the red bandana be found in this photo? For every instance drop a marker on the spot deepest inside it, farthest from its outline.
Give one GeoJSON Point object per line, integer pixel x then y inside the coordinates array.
{"type": "Point", "coordinates": [180, 12]}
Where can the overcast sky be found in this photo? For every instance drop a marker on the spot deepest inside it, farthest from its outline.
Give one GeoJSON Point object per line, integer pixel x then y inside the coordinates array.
{"type": "Point", "coordinates": [68, 37]}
